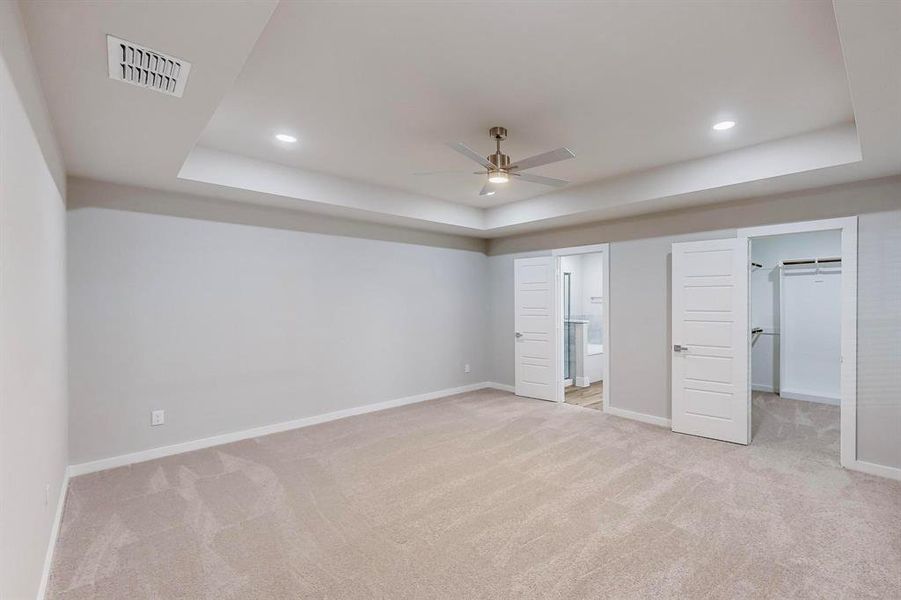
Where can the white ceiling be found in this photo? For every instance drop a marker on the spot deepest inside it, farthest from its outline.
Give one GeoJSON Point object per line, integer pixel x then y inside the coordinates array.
{"type": "Point", "coordinates": [374, 89]}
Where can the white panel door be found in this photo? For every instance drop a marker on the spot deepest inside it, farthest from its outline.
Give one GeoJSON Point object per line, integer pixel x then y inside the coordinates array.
{"type": "Point", "coordinates": [534, 281]}
{"type": "Point", "coordinates": [711, 397]}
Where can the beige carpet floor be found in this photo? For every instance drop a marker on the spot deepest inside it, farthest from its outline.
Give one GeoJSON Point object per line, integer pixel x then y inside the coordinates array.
{"type": "Point", "coordinates": [485, 495]}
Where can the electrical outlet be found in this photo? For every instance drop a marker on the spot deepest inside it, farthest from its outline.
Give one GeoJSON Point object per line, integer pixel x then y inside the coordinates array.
{"type": "Point", "coordinates": [466, 368]}
{"type": "Point", "coordinates": [157, 417]}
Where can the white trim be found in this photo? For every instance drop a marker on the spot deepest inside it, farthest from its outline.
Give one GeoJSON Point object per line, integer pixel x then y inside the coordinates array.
{"type": "Point", "coordinates": [582, 382]}
{"type": "Point", "coordinates": [848, 227]}
{"type": "Point", "coordinates": [499, 386]}
{"type": "Point", "coordinates": [54, 535]}
{"type": "Point", "coordinates": [874, 469]}
{"type": "Point", "coordinates": [798, 227]}
{"type": "Point", "coordinates": [558, 253]}
{"type": "Point", "coordinates": [234, 436]}
{"type": "Point", "coordinates": [762, 387]}
{"type": "Point", "coordinates": [790, 395]}
{"type": "Point", "coordinates": [591, 249]}
{"type": "Point", "coordinates": [636, 416]}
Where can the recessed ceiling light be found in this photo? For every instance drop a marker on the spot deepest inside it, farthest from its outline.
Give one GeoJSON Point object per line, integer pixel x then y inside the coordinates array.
{"type": "Point", "coordinates": [723, 125]}
{"type": "Point", "coordinates": [284, 137]}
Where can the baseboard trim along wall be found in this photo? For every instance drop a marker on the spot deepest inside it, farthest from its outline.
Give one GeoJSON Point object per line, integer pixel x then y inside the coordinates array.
{"type": "Point", "coordinates": [636, 416]}
{"type": "Point", "coordinates": [874, 469]}
{"type": "Point", "coordinates": [54, 535]}
{"type": "Point", "coordinates": [790, 395]}
{"type": "Point", "coordinates": [760, 387]}
{"type": "Point", "coordinates": [226, 438]}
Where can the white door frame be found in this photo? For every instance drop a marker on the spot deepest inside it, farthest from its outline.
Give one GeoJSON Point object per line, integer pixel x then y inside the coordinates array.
{"type": "Point", "coordinates": [848, 228]}
{"type": "Point", "coordinates": [604, 250]}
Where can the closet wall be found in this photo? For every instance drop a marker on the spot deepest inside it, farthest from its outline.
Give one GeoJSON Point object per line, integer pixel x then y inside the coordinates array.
{"type": "Point", "coordinates": [813, 308]}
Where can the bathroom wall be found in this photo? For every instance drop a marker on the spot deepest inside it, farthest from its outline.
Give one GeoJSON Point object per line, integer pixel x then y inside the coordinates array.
{"type": "Point", "coordinates": [766, 298]}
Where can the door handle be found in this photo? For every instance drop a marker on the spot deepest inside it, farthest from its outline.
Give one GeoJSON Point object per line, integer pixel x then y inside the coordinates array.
{"type": "Point", "coordinates": [518, 334]}
{"type": "Point", "coordinates": [678, 348]}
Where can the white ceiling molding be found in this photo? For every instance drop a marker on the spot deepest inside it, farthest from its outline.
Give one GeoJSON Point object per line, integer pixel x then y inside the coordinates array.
{"type": "Point", "coordinates": [231, 170]}
{"type": "Point", "coordinates": [801, 154]}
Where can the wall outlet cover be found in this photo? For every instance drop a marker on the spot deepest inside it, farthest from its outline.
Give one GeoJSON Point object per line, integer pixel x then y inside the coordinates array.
{"type": "Point", "coordinates": [157, 417]}
{"type": "Point", "coordinates": [466, 368]}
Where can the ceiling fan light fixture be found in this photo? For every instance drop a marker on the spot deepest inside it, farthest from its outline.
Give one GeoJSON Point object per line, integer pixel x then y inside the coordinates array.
{"type": "Point", "coordinates": [498, 177]}
{"type": "Point", "coordinates": [499, 167]}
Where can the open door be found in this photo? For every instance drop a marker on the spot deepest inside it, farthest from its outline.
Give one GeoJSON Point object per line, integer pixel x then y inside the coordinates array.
{"type": "Point", "coordinates": [711, 396]}
{"type": "Point", "coordinates": [534, 281]}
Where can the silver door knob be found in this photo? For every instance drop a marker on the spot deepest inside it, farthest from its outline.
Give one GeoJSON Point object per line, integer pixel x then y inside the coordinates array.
{"type": "Point", "coordinates": [518, 334]}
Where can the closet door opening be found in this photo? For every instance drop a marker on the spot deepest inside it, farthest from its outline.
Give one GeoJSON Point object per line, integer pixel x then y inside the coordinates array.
{"type": "Point", "coordinates": [795, 306]}
{"type": "Point", "coordinates": [802, 346]}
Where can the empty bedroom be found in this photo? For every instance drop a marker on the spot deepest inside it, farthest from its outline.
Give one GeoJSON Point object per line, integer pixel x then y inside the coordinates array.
{"type": "Point", "coordinates": [450, 300]}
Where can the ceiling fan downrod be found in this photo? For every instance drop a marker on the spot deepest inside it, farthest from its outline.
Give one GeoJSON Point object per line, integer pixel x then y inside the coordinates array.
{"type": "Point", "coordinates": [499, 160]}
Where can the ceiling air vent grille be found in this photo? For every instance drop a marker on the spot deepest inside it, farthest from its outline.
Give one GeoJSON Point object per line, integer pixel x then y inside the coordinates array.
{"type": "Point", "coordinates": [147, 68]}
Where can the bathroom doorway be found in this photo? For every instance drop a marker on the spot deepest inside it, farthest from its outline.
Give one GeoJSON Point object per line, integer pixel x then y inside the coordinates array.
{"type": "Point", "coordinates": [583, 332]}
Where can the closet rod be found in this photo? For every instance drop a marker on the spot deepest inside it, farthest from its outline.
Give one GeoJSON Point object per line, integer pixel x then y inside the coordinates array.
{"type": "Point", "coordinates": [812, 261]}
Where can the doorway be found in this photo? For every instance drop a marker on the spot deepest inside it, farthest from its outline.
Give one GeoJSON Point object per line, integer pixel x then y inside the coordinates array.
{"type": "Point", "coordinates": [583, 325]}
{"type": "Point", "coordinates": [562, 326]}
{"type": "Point", "coordinates": [813, 299]}
{"type": "Point", "coordinates": [724, 347]}
{"type": "Point", "coordinates": [795, 308]}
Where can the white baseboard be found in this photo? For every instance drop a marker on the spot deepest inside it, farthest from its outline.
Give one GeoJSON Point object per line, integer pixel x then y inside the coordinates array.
{"type": "Point", "coordinates": [760, 387]}
{"type": "Point", "coordinates": [637, 416]}
{"type": "Point", "coordinates": [582, 382]}
{"type": "Point", "coordinates": [809, 397]}
{"type": "Point", "coordinates": [874, 469]}
{"type": "Point", "coordinates": [500, 386]}
{"type": "Point", "coordinates": [54, 535]}
{"type": "Point", "coordinates": [227, 438]}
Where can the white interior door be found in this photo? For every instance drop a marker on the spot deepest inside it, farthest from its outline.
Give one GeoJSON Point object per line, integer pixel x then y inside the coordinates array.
{"type": "Point", "coordinates": [534, 281]}
{"type": "Point", "coordinates": [711, 397]}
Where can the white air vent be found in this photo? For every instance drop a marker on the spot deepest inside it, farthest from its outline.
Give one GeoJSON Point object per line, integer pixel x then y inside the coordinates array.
{"type": "Point", "coordinates": [147, 68]}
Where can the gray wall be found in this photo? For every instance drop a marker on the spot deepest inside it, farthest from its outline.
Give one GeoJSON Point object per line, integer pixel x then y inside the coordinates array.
{"type": "Point", "coordinates": [33, 416]}
{"type": "Point", "coordinates": [640, 297]}
{"type": "Point", "coordinates": [229, 327]}
{"type": "Point", "coordinates": [879, 338]}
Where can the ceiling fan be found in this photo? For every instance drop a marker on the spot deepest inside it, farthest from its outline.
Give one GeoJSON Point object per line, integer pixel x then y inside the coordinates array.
{"type": "Point", "coordinates": [499, 168]}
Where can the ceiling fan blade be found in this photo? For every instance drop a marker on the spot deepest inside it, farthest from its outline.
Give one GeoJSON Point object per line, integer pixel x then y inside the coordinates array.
{"type": "Point", "coordinates": [542, 180]}
{"type": "Point", "coordinates": [543, 159]}
{"type": "Point", "coordinates": [470, 154]}
{"type": "Point", "coordinates": [488, 189]}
